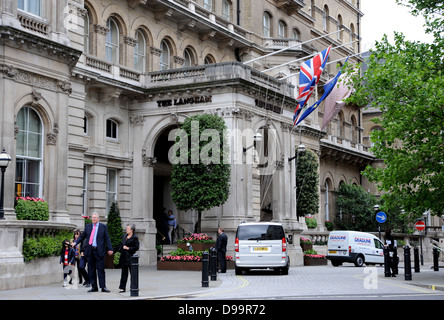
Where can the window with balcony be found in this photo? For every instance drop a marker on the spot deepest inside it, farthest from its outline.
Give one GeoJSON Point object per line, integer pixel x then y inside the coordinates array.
{"type": "Point", "coordinates": [188, 57]}
{"type": "Point", "coordinates": [282, 30]}
{"type": "Point", "coordinates": [226, 10]}
{"type": "Point", "coordinates": [165, 56]}
{"type": "Point", "coordinates": [112, 42]}
{"type": "Point", "coordinates": [140, 52]}
{"type": "Point", "coordinates": [325, 15]}
{"type": "Point", "coordinates": [208, 4]}
{"type": "Point", "coordinates": [30, 6]}
{"type": "Point", "coordinates": [296, 35]}
{"type": "Point", "coordinates": [86, 33]}
{"type": "Point", "coordinates": [29, 154]}
{"type": "Point", "coordinates": [266, 25]}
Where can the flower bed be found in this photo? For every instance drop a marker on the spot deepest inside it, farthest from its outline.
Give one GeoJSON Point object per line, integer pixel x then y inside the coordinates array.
{"type": "Point", "coordinates": [198, 242]}
{"type": "Point", "coordinates": [312, 258]}
{"type": "Point", "coordinates": [29, 208]}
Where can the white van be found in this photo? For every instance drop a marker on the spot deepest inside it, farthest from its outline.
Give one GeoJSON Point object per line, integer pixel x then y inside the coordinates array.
{"type": "Point", "coordinates": [261, 245]}
{"type": "Point", "coordinates": [356, 247]}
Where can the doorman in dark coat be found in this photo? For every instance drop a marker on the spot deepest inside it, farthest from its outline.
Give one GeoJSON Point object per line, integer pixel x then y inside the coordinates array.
{"type": "Point", "coordinates": [221, 247]}
{"type": "Point", "coordinates": [95, 250]}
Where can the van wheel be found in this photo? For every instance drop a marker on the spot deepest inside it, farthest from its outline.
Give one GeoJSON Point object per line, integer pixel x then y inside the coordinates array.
{"type": "Point", "coordinates": [359, 262]}
{"type": "Point", "coordinates": [238, 271]}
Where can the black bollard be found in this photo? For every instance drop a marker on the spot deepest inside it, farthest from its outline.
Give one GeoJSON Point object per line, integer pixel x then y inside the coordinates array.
{"type": "Point", "coordinates": [213, 264]}
{"type": "Point", "coordinates": [407, 264]}
{"type": "Point", "coordinates": [386, 262]}
{"type": "Point", "coordinates": [395, 260]}
{"type": "Point", "coordinates": [416, 255]}
{"type": "Point", "coordinates": [134, 286]}
{"type": "Point", "coordinates": [205, 263]}
{"type": "Point", "coordinates": [435, 259]}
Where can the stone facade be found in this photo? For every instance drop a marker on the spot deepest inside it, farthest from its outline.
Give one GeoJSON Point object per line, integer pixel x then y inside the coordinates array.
{"type": "Point", "coordinates": [109, 80]}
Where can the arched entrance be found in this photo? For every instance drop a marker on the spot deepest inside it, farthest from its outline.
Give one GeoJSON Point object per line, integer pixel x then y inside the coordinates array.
{"type": "Point", "coordinates": [162, 201]}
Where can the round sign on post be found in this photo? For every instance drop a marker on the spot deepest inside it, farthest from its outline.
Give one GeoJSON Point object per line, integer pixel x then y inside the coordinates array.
{"type": "Point", "coordinates": [420, 225]}
{"type": "Point", "coordinates": [381, 217]}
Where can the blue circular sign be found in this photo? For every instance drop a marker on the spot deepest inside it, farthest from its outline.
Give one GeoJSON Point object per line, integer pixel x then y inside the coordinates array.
{"type": "Point", "coordinates": [381, 217]}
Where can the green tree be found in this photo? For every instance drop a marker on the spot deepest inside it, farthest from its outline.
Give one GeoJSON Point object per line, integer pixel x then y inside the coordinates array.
{"type": "Point", "coordinates": [307, 183]}
{"type": "Point", "coordinates": [354, 209]}
{"type": "Point", "coordinates": [114, 225]}
{"type": "Point", "coordinates": [200, 178]}
{"type": "Point", "coordinates": [405, 81]}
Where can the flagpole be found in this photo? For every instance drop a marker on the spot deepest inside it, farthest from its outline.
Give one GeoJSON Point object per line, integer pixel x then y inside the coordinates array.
{"type": "Point", "coordinates": [313, 54]}
{"type": "Point", "coordinates": [290, 47]}
{"type": "Point", "coordinates": [295, 74]}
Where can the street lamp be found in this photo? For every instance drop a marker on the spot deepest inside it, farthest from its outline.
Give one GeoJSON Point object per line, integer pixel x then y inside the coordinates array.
{"type": "Point", "coordinates": [256, 138]}
{"type": "Point", "coordinates": [301, 148]}
{"type": "Point", "coordinates": [4, 162]}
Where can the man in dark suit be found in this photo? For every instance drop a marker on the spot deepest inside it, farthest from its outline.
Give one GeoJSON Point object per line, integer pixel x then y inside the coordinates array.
{"type": "Point", "coordinates": [97, 241]}
{"type": "Point", "coordinates": [221, 247]}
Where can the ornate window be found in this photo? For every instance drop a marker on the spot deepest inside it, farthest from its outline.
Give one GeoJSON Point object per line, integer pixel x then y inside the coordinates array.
{"type": "Point", "coordinates": [112, 42]}
{"type": "Point", "coordinates": [111, 188]}
{"type": "Point", "coordinates": [267, 25]}
{"type": "Point", "coordinates": [140, 52]}
{"type": "Point", "coordinates": [29, 154]}
{"type": "Point", "coordinates": [165, 56]}
{"type": "Point", "coordinates": [112, 129]}
{"type": "Point", "coordinates": [226, 10]}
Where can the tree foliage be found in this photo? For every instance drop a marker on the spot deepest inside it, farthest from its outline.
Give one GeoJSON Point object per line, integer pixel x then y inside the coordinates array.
{"type": "Point", "coordinates": [203, 184]}
{"type": "Point", "coordinates": [114, 225]}
{"type": "Point", "coordinates": [354, 209]}
{"type": "Point", "coordinates": [307, 183]}
{"type": "Point", "coordinates": [405, 81]}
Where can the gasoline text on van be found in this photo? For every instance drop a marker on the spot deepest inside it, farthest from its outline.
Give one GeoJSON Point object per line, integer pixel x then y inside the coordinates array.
{"type": "Point", "coordinates": [364, 241]}
{"type": "Point", "coordinates": [338, 238]}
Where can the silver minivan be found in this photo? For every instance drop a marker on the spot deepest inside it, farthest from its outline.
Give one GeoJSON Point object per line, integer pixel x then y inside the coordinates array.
{"type": "Point", "coordinates": [261, 245]}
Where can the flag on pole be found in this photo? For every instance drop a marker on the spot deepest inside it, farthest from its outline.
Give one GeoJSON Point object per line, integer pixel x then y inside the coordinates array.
{"type": "Point", "coordinates": [328, 88]}
{"type": "Point", "coordinates": [334, 102]}
{"type": "Point", "coordinates": [308, 79]}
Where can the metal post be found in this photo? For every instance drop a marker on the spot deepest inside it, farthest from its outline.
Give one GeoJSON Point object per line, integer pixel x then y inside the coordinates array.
{"type": "Point", "coordinates": [407, 264]}
{"type": "Point", "coordinates": [213, 264]}
{"type": "Point", "coordinates": [416, 255]}
{"type": "Point", "coordinates": [386, 262]}
{"type": "Point", "coordinates": [205, 262]}
{"type": "Point", "coordinates": [435, 259]}
{"type": "Point", "coordinates": [2, 191]}
{"type": "Point", "coordinates": [395, 260]}
{"type": "Point", "coordinates": [134, 276]}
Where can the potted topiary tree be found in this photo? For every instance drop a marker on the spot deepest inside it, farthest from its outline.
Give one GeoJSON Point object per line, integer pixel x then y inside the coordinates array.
{"type": "Point", "coordinates": [115, 232]}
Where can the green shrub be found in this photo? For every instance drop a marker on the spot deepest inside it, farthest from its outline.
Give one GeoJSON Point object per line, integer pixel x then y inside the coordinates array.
{"type": "Point", "coordinates": [32, 209]}
{"type": "Point", "coordinates": [311, 222]}
{"type": "Point", "coordinates": [44, 246]}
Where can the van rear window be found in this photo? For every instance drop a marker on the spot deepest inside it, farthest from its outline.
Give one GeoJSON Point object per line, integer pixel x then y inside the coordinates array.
{"type": "Point", "coordinates": [259, 232]}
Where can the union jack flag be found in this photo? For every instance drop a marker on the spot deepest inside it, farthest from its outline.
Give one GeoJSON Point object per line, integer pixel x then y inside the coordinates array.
{"type": "Point", "coordinates": [308, 79]}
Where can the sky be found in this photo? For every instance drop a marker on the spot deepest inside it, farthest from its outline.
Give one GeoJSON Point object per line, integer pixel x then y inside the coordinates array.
{"type": "Point", "coordinates": [385, 16]}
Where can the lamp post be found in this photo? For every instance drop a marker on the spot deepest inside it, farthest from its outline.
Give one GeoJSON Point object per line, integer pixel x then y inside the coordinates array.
{"type": "Point", "coordinates": [376, 208]}
{"type": "Point", "coordinates": [4, 162]}
{"type": "Point", "coordinates": [257, 138]}
{"type": "Point", "coordinates": [300, 149]}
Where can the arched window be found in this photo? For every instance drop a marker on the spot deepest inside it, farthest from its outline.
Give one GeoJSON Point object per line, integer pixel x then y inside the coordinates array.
{"type": "Point", "coordinates": [29, 154]}
{"type": "Point", "coordinates": [267, 25]}
{"type": "Point", "coordinates": [112, 42]}
{"type": "Point", "coordinates": [327, 200]}
{"type": "Point", "coordinates": [86, 36]}
{"type": "Point", "coordinates": [209, 59]}
{"type": "Point", "coordinates": [325, 18]}
{"type": "Point", "coordinates": [296, 35]}
{"type": "Point", "coordinates": [282, 29]}
{"type": "Point", "coordinates": [208, 4]}
{"type": "Point", "coordinates": [164, 56]}
{"type": "Point", "coordinates": [140, 52]}
{"type": "Point", "coordinates": [339, 27]}
{"type": "Point", "coordinates": [341, 124]}
{"type": "Point", "coordinates": [189, 58]}
{"type": "Point", "coordinates": [354, 129]}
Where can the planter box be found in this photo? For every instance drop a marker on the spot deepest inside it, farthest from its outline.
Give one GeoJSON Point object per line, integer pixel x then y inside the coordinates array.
{"type": "Point", "coordinates": [196, 246]}
{"type": "Point", "coordinates": [315, 262]}
{"type": "Point", "coordinates": [185, 266]}
{"type": "Point", "coordinates": [306, 246]}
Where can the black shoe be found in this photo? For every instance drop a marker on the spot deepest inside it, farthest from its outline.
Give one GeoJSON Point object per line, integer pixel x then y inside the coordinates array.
{"type": "Point", "coordinates": [93, 290]}
{"type": "Point", "coordinates": [105, 290]}
{"type": "Point", "coordinates": [121, 290]}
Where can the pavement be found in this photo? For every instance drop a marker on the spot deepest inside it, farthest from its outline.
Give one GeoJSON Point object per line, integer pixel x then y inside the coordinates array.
{"type": "Point", "coordinates": [172, 285]}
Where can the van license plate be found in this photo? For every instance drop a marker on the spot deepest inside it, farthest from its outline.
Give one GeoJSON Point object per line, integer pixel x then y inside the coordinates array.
{"type": "Point", "coordinates": [260, 249]}
{"type": "Point", "coordinates": [332, 252]}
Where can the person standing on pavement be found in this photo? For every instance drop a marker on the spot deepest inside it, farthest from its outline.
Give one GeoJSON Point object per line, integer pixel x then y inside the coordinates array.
{"type": "Point", "coordinates": [80, 260]}
{"type": "Point", "coordinates": [221, 248]}
{"type": "Point", "coordinates": [172, 225]}
{"type": "Point", "coordinates": [67, 256]}
{"type": "Point", "coordinates": [96, 244]}
{"type": "Point", "coordinates": [129, 246]}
